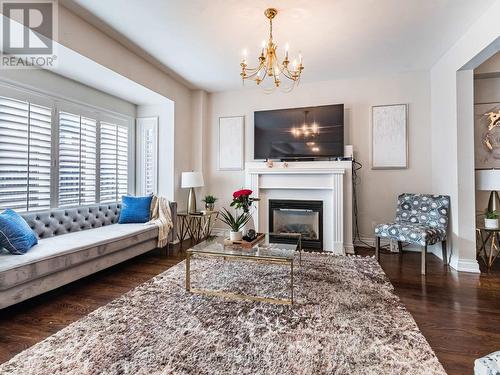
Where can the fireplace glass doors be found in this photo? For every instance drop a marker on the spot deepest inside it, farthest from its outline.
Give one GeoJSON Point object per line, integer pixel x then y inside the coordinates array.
{"type": "Point", "coordinates": [297, 216]}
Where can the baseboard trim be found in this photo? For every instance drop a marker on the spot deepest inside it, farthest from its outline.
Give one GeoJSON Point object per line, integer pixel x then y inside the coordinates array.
{"type": "Point", "coordinates": [465, 265]}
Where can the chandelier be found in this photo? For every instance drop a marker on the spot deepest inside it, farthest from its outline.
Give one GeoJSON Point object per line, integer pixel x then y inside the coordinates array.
{"type": "Point", "coordinates": [269, 66]}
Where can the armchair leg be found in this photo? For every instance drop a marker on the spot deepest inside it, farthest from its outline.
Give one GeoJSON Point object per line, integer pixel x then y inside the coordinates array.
{"type": "Point", "coordinates": [400, 247]}
{"type": "Point", "coordinates": [377, 248]}
{"type": "Point", "coordinates": [445, 254]}
{"type": "Point", "coordinates": [423, 261]}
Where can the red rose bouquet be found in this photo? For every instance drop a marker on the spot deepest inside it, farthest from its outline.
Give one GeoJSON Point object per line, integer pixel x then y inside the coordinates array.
{"type": "Point", "coordinates": [243, 200]}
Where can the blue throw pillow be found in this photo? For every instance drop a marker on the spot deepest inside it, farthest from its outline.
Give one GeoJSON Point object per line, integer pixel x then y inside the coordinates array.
{"type": "Point", "coordinates": [135, 209]}
{"type": "Point", "coordinates": [15, 234]}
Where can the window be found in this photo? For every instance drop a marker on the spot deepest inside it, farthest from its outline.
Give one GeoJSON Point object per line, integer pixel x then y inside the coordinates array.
{"type": "Point", "coordinates": [25, 155]}
{"type": "Point", "coordinates": [58, 154]}
{"type": "Point", "coordinates": [77, 159]}
{"type": "Point", "coordinates": [147, 143]}
{"type": "Point", "coordinates": [113, 162]}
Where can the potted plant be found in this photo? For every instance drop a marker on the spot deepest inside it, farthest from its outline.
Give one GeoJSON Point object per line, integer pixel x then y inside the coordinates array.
{"type": "Point", "coordinates": [241, 201]}
{"type": "Point", "coordinates": [491, 219]}
{"type": "Point", "coordinates": [235, 222]}
{"type": "Point", "coordinates": [209, 202]}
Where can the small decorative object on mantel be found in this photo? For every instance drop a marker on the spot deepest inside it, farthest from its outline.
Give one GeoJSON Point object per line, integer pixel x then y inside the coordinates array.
{"type": "Point", "coordinates": [241, 201]}
{"type": "Point", "coordinates": [209, 202]}
{"type": "Point", "coordinates": [269, 163]}
{"type": "Point", "coordinates": [285, 165]}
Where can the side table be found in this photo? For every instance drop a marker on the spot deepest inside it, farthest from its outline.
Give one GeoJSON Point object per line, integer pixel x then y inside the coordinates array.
{"type": "Point", "coordinates": [485, 234]}
{"type": "Point", "coordinates": [197, 225]}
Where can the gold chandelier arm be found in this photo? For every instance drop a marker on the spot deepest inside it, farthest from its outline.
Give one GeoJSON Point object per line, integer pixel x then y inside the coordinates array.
{"type": "Point", "coordinates": [253, 72]}
{"type": "Point", "coordinates": [291, 75]}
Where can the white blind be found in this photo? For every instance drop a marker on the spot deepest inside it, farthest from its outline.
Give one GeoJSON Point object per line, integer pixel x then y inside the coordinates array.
{"type": "Point", "coordinates": [149, 174]}
{"type": "Point", "coordinates": [122, 160]}
{"type": "Point", "coordinates": [39, 153]}
{"type": "Point", "coordinates": [113, 162]}
{"type": "Point", "coordinates": [77, 159]}
{"type": "Point", "coordinates": [88, 155]}
{"type": "Point", "coordinates": [25, 162]}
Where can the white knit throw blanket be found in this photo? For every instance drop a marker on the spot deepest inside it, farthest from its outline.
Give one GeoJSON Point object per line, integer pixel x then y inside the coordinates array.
{"type": "Point", "coordinates": [161, 216]}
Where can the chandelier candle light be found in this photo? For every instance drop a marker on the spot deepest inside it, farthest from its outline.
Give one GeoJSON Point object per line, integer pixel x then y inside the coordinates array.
{"type": "Point", "coordinates": [269, 66]}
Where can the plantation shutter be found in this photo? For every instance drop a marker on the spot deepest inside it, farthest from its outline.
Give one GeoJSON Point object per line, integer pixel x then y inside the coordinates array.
{"type": "Point", "coordinates": [122, 161]}
{"type": "Point", "coordinates": [88, 157]}
{"type": "Point", "coordinates": [113, 162]}
{"type": "Point", "coordinates": [147, 151]}
{"type": "Point", "coordinates": [77, 160]}
{"type": "Point", "coordinates": [149, 175]}
{"type": "Point", "coordinates": [25, 161]}
{"type": "Point", "coordinates": [14, 136]}
{"type": "Point", "coordinates": [39, 154]}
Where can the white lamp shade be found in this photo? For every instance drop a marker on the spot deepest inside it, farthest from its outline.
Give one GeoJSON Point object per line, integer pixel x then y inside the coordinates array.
{"type": "Point", "coordinates": [191, 179]}
{"type": "Point", "coordinates": [488, 179]}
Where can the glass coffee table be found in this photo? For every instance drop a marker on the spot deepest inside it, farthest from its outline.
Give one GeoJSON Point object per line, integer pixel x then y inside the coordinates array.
{"type": "Point", "coordinates": [266, 252]}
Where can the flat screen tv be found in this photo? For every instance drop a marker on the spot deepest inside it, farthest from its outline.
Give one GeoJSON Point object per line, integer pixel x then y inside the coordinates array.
{"type": "Point", "coordinates": [299, 133]}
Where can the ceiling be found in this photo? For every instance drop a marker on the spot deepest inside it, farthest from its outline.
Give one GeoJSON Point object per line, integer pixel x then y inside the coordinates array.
{"type": "Point", "coordinates": [201, 41]}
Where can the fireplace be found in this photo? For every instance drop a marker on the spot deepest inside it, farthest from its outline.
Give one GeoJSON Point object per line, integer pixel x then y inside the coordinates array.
{"type": "Point", "coordinates": [297, 216]}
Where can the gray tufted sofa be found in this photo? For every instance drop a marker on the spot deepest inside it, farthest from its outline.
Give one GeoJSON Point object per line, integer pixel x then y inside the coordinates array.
{"type": "Point", "coordinates": [73, 243]}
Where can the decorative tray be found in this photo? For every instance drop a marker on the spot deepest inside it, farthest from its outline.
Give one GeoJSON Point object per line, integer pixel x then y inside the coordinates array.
{"type": "Point", "coordinates": [246, 244]}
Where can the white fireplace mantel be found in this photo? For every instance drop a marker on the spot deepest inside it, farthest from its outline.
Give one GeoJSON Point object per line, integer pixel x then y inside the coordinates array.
{"type": "Point", "coordinates": [328, 181]}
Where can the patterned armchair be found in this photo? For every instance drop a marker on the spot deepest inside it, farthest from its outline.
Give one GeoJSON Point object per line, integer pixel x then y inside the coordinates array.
{"type": "Point", "coordinates": [421, 219]}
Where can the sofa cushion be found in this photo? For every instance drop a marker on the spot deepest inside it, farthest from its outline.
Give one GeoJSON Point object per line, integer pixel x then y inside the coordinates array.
{"type": "Point", "coordinates": [15, 234]}
{"type": "Point", "coordinates": [60, 252]}
{"type": "Point", "coordinates": [135, 209]}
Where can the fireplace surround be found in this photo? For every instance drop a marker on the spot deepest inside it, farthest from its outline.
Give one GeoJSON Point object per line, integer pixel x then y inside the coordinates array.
{"type": "Point", "coordinates": [327, 181]}
{"type": "Point", "coordinates": [297, 216]}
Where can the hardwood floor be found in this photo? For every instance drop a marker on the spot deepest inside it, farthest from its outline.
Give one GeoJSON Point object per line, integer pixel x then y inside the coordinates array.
{"type": "Point", "coordinates": [458, 313]}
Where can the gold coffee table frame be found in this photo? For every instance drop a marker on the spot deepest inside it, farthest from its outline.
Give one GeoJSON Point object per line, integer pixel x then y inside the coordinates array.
{"type": "Point", "coordinates": [266, 255]}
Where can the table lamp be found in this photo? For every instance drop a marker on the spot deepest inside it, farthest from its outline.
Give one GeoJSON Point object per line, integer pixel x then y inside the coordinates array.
{"type": "Point", "coordinates": [489, 180]}
{"type": "Point", "coordinates": [191, 180]}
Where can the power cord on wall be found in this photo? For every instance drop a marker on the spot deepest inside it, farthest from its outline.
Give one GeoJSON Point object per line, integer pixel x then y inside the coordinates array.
{"type": "Point", "coordinates": [356, 180]}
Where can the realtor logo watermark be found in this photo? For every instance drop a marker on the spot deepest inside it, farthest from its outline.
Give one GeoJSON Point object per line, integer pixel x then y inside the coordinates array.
{"type": "Point", "coordinates": [28, 34]}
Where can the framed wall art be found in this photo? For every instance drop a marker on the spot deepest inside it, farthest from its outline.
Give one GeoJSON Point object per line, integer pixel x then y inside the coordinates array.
{"type": "Point", "coordinates": [231, 143]}
{"type": "Point", "coordinates": [389, 136]}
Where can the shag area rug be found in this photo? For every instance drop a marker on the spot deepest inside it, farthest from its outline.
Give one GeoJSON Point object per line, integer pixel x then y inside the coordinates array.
{"type": "Point", "coordinates": [346, 320]}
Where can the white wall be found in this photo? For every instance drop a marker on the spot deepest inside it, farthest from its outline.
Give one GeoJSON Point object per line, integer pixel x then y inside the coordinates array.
{"type": "Point", "coordinates": [379, 188]}
{"type": "Point", "coordinates": [450, 145]}
{"type": "Point", "coordinates": [78, 35]}
{"type": "Point", "coordinates": [55, 85]}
